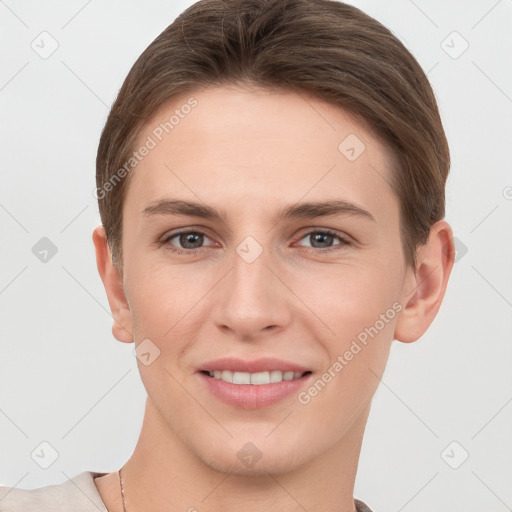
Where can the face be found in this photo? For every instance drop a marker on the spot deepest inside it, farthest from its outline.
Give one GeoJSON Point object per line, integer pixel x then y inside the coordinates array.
{"type": "Point", "coordinates": [290, 261]}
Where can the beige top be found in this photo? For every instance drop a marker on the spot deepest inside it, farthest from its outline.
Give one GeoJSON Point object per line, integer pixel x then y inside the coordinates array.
{"type": "Point", "coordinates": [78, 494]}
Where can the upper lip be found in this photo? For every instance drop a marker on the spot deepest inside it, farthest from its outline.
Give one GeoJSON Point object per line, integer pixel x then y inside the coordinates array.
{"type": "Point", "coordinates": [264, 364]}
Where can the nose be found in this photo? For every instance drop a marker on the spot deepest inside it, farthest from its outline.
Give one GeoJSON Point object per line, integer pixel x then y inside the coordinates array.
{"type": "Point", "coordinates": [251, 301]}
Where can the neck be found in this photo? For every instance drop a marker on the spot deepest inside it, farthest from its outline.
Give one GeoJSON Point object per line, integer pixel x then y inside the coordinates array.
{"type": "Point", "coordinates": [163, 474]}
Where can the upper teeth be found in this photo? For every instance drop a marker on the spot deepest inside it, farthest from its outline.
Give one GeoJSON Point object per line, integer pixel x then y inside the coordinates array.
{"type": "Point", "coordinates": [254, 378]}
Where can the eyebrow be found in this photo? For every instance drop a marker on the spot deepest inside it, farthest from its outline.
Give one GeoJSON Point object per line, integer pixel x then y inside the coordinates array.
{"type": "Point", "coordinates": [308, 210]}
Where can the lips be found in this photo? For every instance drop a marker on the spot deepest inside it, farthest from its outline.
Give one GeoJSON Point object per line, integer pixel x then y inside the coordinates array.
{"type": "Point", "coordinates": [266, 364]}
{"type": "Point", "coordinates": [253, 384]}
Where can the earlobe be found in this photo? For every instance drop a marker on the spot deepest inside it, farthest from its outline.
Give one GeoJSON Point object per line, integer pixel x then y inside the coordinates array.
{"type": "Point", "coordinates": [426, 284]}
{"type": "Point", "coordinates": [113, 283]}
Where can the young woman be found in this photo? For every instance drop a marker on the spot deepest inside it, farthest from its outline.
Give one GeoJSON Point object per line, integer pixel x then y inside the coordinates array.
{"type": "Point", "coordinates": [271, 186]}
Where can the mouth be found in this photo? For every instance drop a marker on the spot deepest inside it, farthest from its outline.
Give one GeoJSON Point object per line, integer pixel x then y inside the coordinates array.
{"type": "Point", "coordinates": [253, 384]}
{"type": "Point", "coordinates": [256, 378]}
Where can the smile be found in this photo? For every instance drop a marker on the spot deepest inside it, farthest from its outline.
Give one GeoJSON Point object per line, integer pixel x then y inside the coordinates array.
{"type": "Point", "coordinates": [256, 379]}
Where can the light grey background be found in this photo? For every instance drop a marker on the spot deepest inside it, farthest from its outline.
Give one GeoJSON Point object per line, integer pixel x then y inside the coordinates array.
{"type": "Point", "coordinates": [65, 380]}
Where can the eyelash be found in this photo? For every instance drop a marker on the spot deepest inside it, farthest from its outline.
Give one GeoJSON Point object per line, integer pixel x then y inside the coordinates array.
{"type": "Point", "coordinates": [191, 252]}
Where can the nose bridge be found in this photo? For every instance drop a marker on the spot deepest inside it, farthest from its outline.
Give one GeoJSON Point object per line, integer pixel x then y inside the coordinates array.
{"type": "Point", "coordinates": [252, 299]}
{"type": "Point", "coordinates": [250, 275]}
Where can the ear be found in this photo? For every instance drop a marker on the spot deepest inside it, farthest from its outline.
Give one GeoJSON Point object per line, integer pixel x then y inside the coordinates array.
{"type": "Point", "coordinates": [113, 281]}
{"type": "Point", "coordinates": [426, 284]}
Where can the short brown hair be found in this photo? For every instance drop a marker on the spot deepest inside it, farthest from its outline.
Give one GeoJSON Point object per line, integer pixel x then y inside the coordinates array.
{"type": "Point", "coordinates": [323, 47]}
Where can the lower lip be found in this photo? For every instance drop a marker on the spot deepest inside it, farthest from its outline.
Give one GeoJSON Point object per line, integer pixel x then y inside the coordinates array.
{"type": "Point", "coordinates": [250, 396]}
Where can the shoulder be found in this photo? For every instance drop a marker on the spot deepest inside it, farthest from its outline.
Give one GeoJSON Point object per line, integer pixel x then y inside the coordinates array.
{"type": "Point", "coordinates": [361, 506]}
{"type": "Point", "coordinates": [77, 494]}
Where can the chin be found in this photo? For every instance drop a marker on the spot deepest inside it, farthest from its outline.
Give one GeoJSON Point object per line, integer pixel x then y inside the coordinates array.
{"type": "Point", "coordinates": [269, 464]}
{"type": "Point", "coordinates": [255, 455]}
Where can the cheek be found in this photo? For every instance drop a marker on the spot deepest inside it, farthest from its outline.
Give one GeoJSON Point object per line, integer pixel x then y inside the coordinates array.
{"type": "Point", "coordinates": [356, 359]}
{"type": "Point", "coordinates": [161, 309]}
{"type": "Point", "coordinates": [164, 302]}
{"type": "Point", "coordinates": [358, 309]}
{"type": "Point", "coordinates": [349, 298]}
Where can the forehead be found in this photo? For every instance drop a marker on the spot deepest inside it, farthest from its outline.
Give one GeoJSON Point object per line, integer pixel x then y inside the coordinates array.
{"type": "Point", "coordinates": [259, 148]}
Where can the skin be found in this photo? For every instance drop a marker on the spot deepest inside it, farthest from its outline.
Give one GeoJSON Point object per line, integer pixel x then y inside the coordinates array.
{"type": "Point", "coordinates": [248, 153]}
